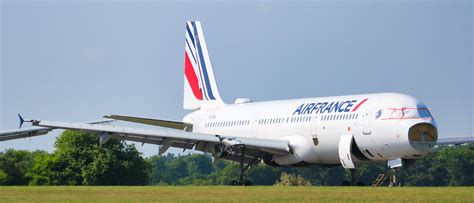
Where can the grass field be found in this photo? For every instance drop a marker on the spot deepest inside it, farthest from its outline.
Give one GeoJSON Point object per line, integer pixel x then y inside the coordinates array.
{"type": "Point", "coordinates": [235, 194]}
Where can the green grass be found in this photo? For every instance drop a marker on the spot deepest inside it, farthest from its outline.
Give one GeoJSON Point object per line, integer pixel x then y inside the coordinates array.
{"type": "Point", "coordinates": [234, 194]}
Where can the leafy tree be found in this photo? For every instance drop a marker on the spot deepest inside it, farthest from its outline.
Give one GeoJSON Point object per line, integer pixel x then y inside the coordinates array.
{"type": "Point", "coordinates": [160, 173]}
{"type": "Point", "coordinates": [79, 159]}
{"type": "Point", "coordinates": [3, 177]}
{"type": "Point", "coordinates": [445, 166]}
{"type": "Point", "coordinates": [15, 164]}
{"type": "Point", "coordinates": [264, 175]}
{"type": "Point", "coordinates": [227, 173]}
{"type": "Point", "coordinates": [459, 163]}
{"type": "Point", "coordinates": [42, 172]}
{"type": "Point", "coordinates": [292, 180]}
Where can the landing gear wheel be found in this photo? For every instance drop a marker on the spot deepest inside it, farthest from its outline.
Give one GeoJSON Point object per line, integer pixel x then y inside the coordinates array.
{"type": "Point", "coordinates": [234, 183]}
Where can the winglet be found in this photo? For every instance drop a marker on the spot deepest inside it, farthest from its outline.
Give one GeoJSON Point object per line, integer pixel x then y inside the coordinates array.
{"type": "Point", "coordinates": [21, 120]}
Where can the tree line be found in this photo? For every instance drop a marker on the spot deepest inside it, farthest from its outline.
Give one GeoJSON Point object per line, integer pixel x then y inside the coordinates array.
{"type": "Point", "coordinates": [79, 160]}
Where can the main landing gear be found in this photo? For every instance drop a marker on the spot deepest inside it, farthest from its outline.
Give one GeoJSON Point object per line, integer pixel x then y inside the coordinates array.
{"type": "Point", "coordinates": [243, 167]}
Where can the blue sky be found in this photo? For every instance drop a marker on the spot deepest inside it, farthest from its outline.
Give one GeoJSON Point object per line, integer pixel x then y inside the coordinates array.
{"type": "Point", "coordinates": [79, 60]}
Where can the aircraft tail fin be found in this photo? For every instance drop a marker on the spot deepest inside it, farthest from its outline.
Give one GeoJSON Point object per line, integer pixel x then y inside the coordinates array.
{"type": "Point", "coordinates": [200, 86]}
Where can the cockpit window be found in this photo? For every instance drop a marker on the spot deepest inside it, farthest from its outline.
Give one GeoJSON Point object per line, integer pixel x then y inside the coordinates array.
{"type": "Point", "coordinates": [407, 113]}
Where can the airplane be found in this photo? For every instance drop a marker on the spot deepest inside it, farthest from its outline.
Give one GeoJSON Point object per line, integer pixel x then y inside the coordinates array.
{"type": "Point", "coordinates": [337, 130]}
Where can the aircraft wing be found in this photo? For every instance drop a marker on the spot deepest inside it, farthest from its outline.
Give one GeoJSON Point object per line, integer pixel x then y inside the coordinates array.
{"type": "Point", "coordinates": [455, 140]}
{"type": "Point", "coordinates": [168, 137]}
{"type": "Point", "coordinates": [34, 131]}
{"type": "Point", "coordinates": [22, 133]}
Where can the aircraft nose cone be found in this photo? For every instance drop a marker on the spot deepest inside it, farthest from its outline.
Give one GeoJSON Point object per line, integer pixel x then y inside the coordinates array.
{"type": "Point", "coordinates": [423, 136]}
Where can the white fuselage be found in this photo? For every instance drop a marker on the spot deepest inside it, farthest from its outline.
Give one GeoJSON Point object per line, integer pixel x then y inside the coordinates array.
{"type": "Point", "coordinates": [379, 123]}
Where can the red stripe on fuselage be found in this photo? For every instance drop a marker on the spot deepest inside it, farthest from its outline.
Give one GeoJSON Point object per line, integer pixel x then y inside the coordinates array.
{"type": "Point", "coordinates": [192, 78]}
{"type": "Point", "coordinates": [358, 105]}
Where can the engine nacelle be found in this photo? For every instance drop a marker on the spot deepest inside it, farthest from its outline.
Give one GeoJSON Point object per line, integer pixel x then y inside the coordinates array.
{"type": "Point", "coordinates": [301, 151]}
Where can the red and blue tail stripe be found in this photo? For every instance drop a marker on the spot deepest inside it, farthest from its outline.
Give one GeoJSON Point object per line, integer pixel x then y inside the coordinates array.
{"type": "Point", "coordinates": [200, 84]}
